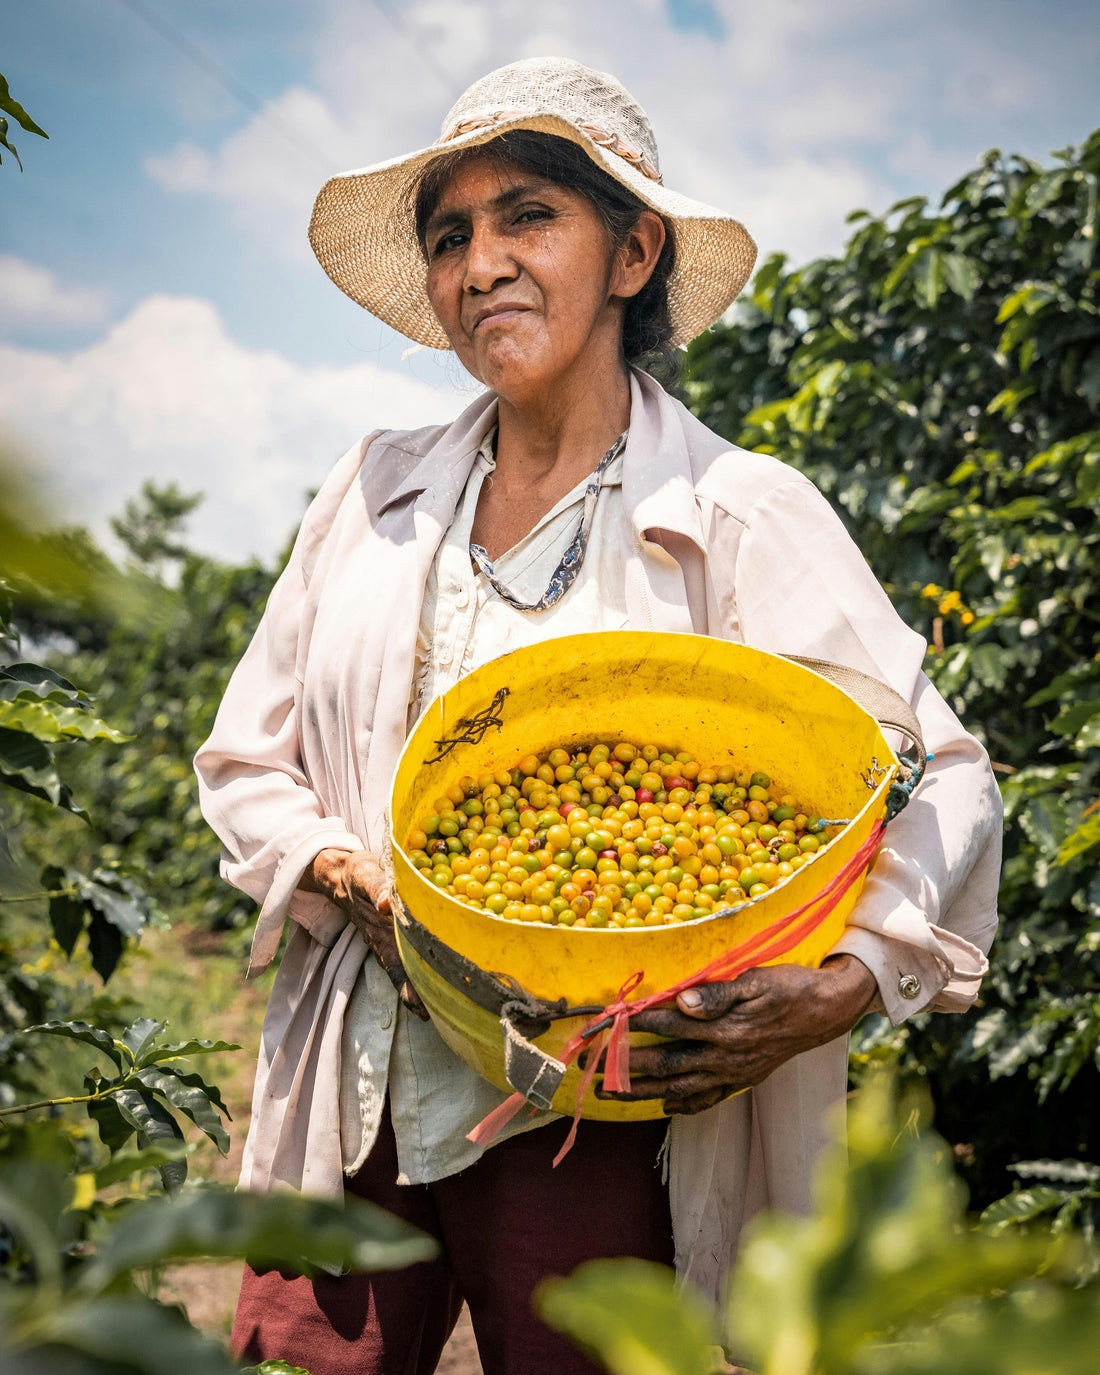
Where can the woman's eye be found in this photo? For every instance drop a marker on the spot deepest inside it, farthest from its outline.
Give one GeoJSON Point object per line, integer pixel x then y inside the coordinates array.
{"type": "Point", "coordinates": [533, 214]}
{"type": "Point", "coordinates": [448, 241]}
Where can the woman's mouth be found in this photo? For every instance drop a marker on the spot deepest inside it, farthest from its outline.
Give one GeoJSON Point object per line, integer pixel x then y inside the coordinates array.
{"type": "Point", "coordinates": [500, 315]}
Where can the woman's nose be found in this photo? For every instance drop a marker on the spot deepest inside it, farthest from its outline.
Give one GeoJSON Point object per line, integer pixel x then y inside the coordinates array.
{"type": "Point", "coordinates": [488, 261]}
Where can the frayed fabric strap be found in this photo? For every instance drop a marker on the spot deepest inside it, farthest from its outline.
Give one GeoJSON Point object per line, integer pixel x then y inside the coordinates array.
{"type": "Point", "coordinates": [535, 1075]}
{"type": "Point", "coordinates": [889, 708]}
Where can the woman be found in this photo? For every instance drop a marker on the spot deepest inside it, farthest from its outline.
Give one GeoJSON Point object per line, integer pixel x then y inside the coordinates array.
{"type": "Point", "coordinates": [537, 241]}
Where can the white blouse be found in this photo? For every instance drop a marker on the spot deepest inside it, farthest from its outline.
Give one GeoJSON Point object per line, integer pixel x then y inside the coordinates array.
{"type": "Point", "coordinates": [435, 1099]}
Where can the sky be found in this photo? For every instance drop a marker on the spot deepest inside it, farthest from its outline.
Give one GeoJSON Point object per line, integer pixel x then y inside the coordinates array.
{"type": "Point", "coordinates": [162, 315]}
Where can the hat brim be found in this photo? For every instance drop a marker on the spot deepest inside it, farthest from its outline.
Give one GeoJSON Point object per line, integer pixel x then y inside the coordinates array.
{"type": "Point", "coordinates": [363, 235]}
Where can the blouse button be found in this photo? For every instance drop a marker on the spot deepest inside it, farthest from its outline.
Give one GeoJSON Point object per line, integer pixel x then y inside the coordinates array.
{"type": "Point", "coordinates": [909, 985]}
{"type": "Point", "coordinates": [386, 1020]}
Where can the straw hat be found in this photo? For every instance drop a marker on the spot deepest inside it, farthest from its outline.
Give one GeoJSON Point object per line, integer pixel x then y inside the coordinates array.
{"type": "Point", "coordinates": [362, 225]}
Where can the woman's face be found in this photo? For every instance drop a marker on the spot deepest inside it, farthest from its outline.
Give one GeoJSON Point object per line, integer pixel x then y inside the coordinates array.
{"type": "Point", "coordinates": [523, 277]}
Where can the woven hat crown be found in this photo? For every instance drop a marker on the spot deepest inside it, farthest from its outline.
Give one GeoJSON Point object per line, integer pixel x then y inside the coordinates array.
{"type": "Point", "coordinates": [555, 86]}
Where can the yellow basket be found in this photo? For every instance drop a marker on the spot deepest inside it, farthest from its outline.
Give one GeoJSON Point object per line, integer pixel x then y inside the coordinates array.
{"type": "Point", "coordinates": [723, 702]}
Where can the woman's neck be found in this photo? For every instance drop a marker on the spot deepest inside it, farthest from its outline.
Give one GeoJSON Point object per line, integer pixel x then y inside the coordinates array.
{"type": "Point", "coordinates": [550, 441]}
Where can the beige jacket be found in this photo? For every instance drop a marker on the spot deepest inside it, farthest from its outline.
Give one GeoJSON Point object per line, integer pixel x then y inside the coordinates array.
{"type": "Point", "coordinates": [724, 542]}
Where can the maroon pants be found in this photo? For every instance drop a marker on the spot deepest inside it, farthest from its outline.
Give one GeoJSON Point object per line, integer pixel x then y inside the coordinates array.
{"type": "Point", "coordinates": [503, 1225]}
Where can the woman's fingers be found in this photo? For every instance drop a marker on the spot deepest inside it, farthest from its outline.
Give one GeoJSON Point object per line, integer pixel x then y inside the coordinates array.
{"type": "Point", "coordinates": [697, 1102]}
{"type": "Point", "coordinates": [683, 1086]}
{"type": "Point", "coordinates": [670, 1022]}
{"type": "Point", "coordinates": [366, 879]}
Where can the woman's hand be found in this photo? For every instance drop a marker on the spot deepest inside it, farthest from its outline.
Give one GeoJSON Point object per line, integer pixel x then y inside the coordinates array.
{"type": "Point", "coordinates": [354, 881]}
{"type": "Point", "coordinates": [728, 1036]}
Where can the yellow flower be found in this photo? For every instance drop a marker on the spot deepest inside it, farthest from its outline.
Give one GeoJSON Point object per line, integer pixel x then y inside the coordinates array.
{"type": "Point", "coordinates": [967, 618]}
{"type": "Point", "coordinates": [932, 591]}
{"type": "Point", "coordinates": [950, 603]}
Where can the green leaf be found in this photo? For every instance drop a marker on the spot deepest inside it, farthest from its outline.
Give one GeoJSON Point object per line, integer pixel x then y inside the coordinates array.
{"type": "Point", "coordinates": [1088, 737]}
{"type": "Point", "coordinates": [1020, 1206]}
{"type": "Point", "coordinates": [115, 1129]}
{"type": "Point", "coordinates": [66, 913]}
{"type": "Point", "coordinates": [123, 1164]}
{"type": "Point", "coordinates": [182, 1050]}
{"type": "Point", "coordinates": [1065, 682]}
{"type": "Point", "coordinates": [39, 683]}
{"type": "Point", "coordinates": [901, 269]}
{"type": "Point", "coordinates": [155, 1126]}
{"type": "Point", "coordinates": [886, 1247]}
{"type": "Point", "coordinates": [961, 274]}
{"type": "Point", "coordinates": [1035, 1329]}
{"type": "Point", "coordinates": [187, 1075]}
{"type": "Point", "coordinates": [634, 1317]}
{"type": "Point", "coordinates": [929, 277]}
{"type": "Point", "coordinates": [5, 142]}
{"type": "Point", "coordinates": [1063, 1171]}
{"type": "Point", "coordinates": [140, 1035]}
{"type": "Point", "coordinates": [1030, 298]}
{"type": "Point", "coordinates": [12, 107]}
{"type": "Point", "coordinates": [131, 1334]}
{"type": "Point", "coordinates": [274, 1368]}
{"type": "Point", "coordinates": [101, 892]}
{"type": "Point", "coordinates": [1089, 380]}
{"type": "Point", "coordinates": [1080, 840]}
{"type": "Point", "coordinates": [1070, 720]}
{"type": "Point", "coordinates": [105, 945]}
{"type": "Point", "coordinates": [51, 721]}
{"type": "Point", "coordinates": [84, 1032]}
{"type": "Point", "coordinates": [191, 1096]}
{"type": "Point", "coordinates": [1009, 400]}
{"type": "Point", "coordinates": [28, 765]}
{"type": "Point", "coordinates": [292, 1231]}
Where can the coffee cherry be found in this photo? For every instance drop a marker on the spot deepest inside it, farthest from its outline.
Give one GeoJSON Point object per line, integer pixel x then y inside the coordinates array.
{"type": "Point", "coordinates": [613, 836]}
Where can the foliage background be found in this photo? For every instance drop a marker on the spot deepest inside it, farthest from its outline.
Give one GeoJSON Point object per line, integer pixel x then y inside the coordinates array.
{"type": "Point", "coordinates": [940, 382]}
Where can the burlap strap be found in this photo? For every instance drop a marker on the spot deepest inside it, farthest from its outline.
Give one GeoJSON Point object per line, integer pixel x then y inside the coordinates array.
{"type": "Point", "coordinates": [528, 1069]}
{"type": "Point", "coordinates": [890, 709]}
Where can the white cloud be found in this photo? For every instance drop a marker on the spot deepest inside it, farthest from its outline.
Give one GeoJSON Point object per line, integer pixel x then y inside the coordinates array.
{"type": "Point", "coordinates": [761, 122]}
{"type": "Point", "coordinates": [167, 394]}
{"type": "Point", "coordinates": [33, 295]}
{"type": "Point", "coordinates": [269, 170]}
{"type": "Point", "coordinates": [798, 114]}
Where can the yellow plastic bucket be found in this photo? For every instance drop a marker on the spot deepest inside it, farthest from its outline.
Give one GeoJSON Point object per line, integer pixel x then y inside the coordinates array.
{"type": "Point", "coordinates": [723, 702]}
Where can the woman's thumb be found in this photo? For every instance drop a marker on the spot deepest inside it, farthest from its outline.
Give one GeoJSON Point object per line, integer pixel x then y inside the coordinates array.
{"type": "Point", "coordinates": [707, 1001]}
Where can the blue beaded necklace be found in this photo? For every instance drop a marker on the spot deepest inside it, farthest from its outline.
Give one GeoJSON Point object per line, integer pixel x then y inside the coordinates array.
{"type": "Point", "coordinates": [566, 572]}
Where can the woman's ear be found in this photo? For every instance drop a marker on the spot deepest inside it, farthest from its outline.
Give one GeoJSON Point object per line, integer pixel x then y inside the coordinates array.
{"type": "Point", "coordinates": [637, 255]}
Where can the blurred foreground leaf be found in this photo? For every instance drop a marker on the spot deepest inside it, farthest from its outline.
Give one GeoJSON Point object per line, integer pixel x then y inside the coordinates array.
{"type": "Point", "coordinates": [287, 1230]}
{"type": "Point", "coordinates": [634, 1317]}
{"type": "Point", "coordinates": [886, 1250]}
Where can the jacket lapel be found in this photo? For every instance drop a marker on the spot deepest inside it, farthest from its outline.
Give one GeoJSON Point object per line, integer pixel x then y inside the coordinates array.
{"type": "Point", "coordinates": [433, 488]}
{"type": "Point", "coordinates": [659, 493]}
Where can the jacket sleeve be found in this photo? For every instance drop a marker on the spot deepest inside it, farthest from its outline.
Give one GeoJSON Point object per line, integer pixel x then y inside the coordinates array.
{"type": "Point", "coordinates": [927, 914]}
{"type": "Point", "coordinates": [253, 789]}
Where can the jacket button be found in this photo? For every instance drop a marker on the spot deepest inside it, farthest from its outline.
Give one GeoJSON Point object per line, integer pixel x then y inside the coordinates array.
{"type": "Point", "coordinates": [386, 1019]}
{"type": "Point", "coordinates": [909, 985]}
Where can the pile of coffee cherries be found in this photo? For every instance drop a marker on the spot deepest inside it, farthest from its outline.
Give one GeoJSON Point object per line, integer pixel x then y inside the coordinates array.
{"type": "Point", "coordinates": [613, 835]}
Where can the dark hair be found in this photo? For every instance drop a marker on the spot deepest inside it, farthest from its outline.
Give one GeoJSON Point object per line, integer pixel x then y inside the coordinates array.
{"type": "Point", "coordinates": [647, 327]}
